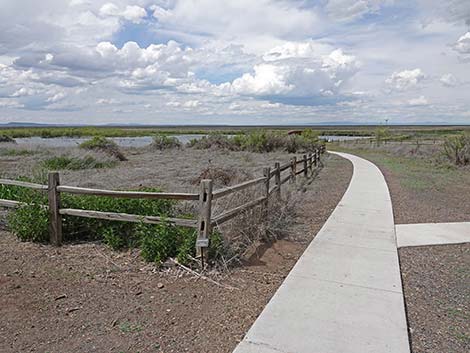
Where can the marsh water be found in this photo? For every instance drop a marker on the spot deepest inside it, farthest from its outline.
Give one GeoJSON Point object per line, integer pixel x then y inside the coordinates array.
{"type": "Point", "coordinates": [140, 141]}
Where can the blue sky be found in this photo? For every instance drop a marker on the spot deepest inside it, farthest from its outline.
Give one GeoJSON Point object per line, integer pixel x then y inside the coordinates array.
{"type": "Point", "coordinates": [234, 61]}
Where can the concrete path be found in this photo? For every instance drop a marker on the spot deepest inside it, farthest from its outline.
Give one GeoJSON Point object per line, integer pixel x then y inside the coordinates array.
{"type": "Point", "coordinates": [432, 234]}
{"type": "Point", "coordinates": [344, 295]}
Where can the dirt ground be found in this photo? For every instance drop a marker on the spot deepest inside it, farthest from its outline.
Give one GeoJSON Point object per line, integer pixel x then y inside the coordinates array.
{"type": "Point", "coordinates": [88, 298]}
{"type": "Point", "coordinates": [437, 291]}
{"type": "Point", "coordinates": [172, 170]}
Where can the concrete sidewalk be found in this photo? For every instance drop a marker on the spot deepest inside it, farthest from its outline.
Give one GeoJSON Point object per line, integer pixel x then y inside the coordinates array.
{"type": "Point", "coordinates": [432, 234]}
{"type": "Point", "coordinates": [344, 294]}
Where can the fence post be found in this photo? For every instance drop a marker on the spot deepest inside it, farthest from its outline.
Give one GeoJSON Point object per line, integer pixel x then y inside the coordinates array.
{"type": "Point", "coordinates": [55, 219]}
{"type": "Point", "coordinates": [293, 167]}
{"type": "Point", "coordinates": [319, 156]}
{"type": "Point", "coordinates": [277, 179]}
{"type": "Point", "coordinates": [204, 222]}
{"type": "Point", "coordinates": [315, 161]}
{"type": "Point", "coordinates": [310, 162]}
{"type": "Point", "coordinates": [267, 175]}
{"type": "Point", "coordinates": [305, 166]}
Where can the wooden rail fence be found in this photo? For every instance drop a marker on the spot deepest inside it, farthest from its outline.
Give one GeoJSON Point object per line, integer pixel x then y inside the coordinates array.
{"type": "Point", "coordinates": [205, 222]}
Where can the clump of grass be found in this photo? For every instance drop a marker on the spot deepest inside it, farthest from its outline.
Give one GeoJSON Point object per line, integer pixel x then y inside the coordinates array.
{"type": "Point", "coordinates": [75, 163]}
{"type": "Point", "coordinates": [6, 139]}
{"type": "Point", "coordinates": [164, 142]}
{"type": "Point", "coordinates": [102, 144]}
{"type": "Point", "coordinates": [16, 152]}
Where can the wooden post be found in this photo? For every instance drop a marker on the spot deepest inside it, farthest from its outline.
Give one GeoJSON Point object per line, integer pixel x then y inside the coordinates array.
{"type": "Point", "coordinates": [293, 169]}
{"type": "Point", "coordinates": [277, 179]}
{"type": "Point", "coordinates": [55, 219]}
{"type": "Point", "coordinates": [310, 162]}
{"type": "Point", "coordinates": [267, 175]}
{"type": "Point", "coordinates": [204, 222]}
{"type": "Point", "coordinates": [319, 155]}
{"type": "Point", "coordinates": [315, 161]}
{"type": "Point", "coordinates": [305, 165]}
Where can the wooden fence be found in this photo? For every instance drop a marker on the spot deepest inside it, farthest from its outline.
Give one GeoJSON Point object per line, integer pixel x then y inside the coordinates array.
{"type": "Point", "coordinates": [280, 174]}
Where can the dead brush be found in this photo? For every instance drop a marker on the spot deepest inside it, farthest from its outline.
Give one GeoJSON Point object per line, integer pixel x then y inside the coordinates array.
{"type": "Point", "coordinates": [245, 233]}
{"type": "Point", "coordinates": [222, 176]}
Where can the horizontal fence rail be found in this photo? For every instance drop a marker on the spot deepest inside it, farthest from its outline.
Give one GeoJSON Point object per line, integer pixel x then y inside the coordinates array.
{"type": "Point", "coordinates": [23, 184]}
{"type": "Point", "coordinates": [228, 190]}
{"type": "Point", "coordinates": [205, 222]}
{"type": "Point", "coordinates": [128, 194]}
{"type": "Point", "coordinates": [125, 217]}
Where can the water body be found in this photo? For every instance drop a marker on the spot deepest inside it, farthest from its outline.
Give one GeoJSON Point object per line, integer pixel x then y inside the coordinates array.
{"type": "Point", "coordinates": [332, 138]}
{"type": "Point", "coordinates": [139, 141]}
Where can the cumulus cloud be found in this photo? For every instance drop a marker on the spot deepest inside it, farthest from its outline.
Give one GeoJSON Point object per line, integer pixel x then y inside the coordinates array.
{"type": "Point", "coordinates": [298, 70]}
{"type": "Point", "coordinates": [407, 79]}
{"type": "Point", "coordinates": [130, 13]}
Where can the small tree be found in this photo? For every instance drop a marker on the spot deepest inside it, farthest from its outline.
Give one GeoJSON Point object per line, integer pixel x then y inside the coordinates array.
{"type": "Point", "coordinates": [381, 134]}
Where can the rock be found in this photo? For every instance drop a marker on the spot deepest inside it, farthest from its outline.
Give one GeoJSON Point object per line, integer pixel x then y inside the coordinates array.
{"type": "Point", "coordinates": [160, 285]}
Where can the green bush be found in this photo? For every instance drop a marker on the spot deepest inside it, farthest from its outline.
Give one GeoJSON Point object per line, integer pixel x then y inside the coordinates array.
{"type": "Point", "coordinates": [100, 143]}
{"type": "Point", "coordinates": [213, 141]}
{"type": "Point", "coordinates": [163, 142]}
{"type": "Point", "coordinates": [457, 149]}
{"type": "Point", "coordinates": [260, 141]}
{"type": "Point", "coordinates": [157, 242]}
{"type": "Point", "coordinates": [6, 138]}
{"type": "Point", "coordinates": [30, 221]}
{"type": "Point", "coordinates": [75, 163]}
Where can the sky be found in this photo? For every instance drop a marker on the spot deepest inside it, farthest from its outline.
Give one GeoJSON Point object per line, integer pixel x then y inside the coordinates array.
{"type": "Point", "coordinates": [235, 61]}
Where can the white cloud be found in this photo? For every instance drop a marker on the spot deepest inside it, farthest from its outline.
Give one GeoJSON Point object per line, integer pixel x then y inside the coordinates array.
{"type": "Point", "coordinates": [449, 80]}
{"type": "Point", "coordinates": [56, 97]}
{"type": "Point", "coordinates": [242, 21]}
{"type": "Point", "coordinates": [130, 13]}
{"type": "Point", "coordinates": [463, 44]}
{"type": "Point", "coordinates": [420, 101]}
{"type": "Point", "coordinates": [403, 80]}
{"type": "Point", "coordinates": [298, 70]}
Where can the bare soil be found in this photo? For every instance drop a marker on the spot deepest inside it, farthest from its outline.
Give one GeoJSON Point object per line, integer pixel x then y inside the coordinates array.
{"type": "Point", "coordinates": [88, 298]}
{"type": "Point", "coordinates": [436, 281]}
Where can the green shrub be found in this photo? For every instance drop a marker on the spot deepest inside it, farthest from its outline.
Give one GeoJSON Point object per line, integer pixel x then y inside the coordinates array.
{"type": "Point", "coordinates": [157, 242]}
{"type": "Point", "coordinates": [100, 143]}
{"type": "Point", "coordinates": [75, 163]}
{"type": "Point", "coordinates": [213, 141]}
{"type": "Point", "coordinates": [260, 141]}
{"type": "Point", "coordinates": [6, 138]}
{"type": "Point", "coordinates": [29, 222]}
{"type": "Point", "coordinates": [163, 142]}
{"type": "Point", "coordinates": [457, 149]}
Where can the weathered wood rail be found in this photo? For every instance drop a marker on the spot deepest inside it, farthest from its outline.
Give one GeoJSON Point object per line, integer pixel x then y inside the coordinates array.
{"type": "Point", "coordinates": [205, 221]}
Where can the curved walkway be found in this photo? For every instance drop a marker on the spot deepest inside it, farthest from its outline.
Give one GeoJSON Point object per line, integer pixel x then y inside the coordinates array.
{"type": "Point", "coordinates": [344, 294]}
